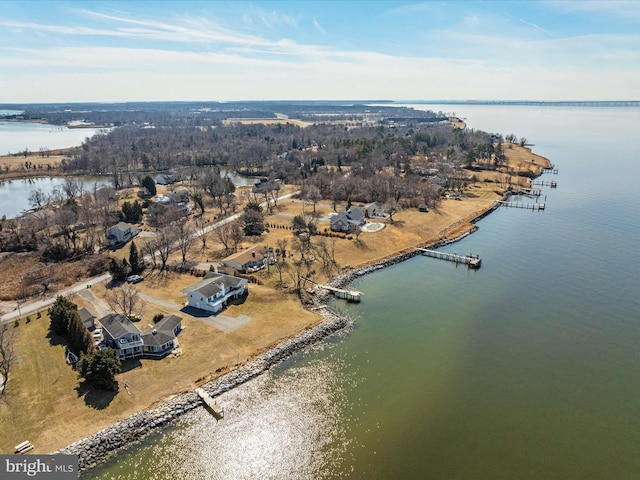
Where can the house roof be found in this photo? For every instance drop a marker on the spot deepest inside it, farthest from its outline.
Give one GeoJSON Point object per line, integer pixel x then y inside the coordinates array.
{"type": "Point", "coordinates": [164, 331]}
{"type": "Point", "coordinates": [123, 227]}
{"type": "Point", "coordinates": [212, 283]}
{"type": "Point", "coordinates": [245, 256]}
{"type": "Point", "coordinates": [85, 315]}
{"type": "Point", "coordinates": [373, 206]}
{"type": "Point", "coordinates": [118, 325]}
{"type": "Point", "coordinates": [355, 213]}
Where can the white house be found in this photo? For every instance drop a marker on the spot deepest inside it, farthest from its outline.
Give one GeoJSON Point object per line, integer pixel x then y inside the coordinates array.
{"type": "Point", "coordinates": [215, 291]}
{"type": "Point", "coordinates": [121, 232]}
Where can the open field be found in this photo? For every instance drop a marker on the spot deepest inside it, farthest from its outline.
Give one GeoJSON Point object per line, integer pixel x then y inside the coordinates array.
{"type": "Point", "coordinates": [15, 166]}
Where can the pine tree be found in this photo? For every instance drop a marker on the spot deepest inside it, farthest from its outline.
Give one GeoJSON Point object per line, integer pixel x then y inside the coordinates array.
{"type": "Point", "coordinates": [136, 262]}
{"type": "Point", "coordinates": [100, 368]}
{"type": "Point", "coordinates": [78, 336]}
{"type": "Point", "coordinates": [60, 314]}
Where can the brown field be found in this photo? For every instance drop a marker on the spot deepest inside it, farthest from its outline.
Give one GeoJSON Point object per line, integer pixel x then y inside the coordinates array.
{"type": "Point", "coordinates": [13, 166]}
{"type": "Point", "coordinates": [46, 404]}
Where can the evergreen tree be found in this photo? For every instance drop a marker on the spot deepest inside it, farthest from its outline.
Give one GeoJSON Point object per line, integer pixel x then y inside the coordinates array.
{"type": "Point", "coordinates": [60, 314]}
{"type": "Point", "coordinates": [100, 368]}
{"type": "Point", "coordinates": [132, 212]}
{"type": "Point", "coordinates": [253, 219]}
{"type": "Point", "coordinates": [78, 337]}
{"type": "Point", "coordinates": [149, 184]}
{"type": "Point", "coordinates": [119, 270]}
{"type": "Point", "coordinates": [136, 262]}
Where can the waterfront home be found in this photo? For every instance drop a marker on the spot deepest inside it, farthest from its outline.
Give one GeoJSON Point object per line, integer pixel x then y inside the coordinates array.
{"type": "Point", "coordinates": [121, 233]}
{"type": "Point", "coordinates": [128, 341]}
{"type": "Point", "coordinates": [215, 291]}
{"type": "Point", "coordinates": [122, 335]}
{"type": "Point", "coordinates": [252, 259]}
{"type": "Point", "coordinates": [162, 339]}
{"type": "Point", "coordinates": [347, 221]}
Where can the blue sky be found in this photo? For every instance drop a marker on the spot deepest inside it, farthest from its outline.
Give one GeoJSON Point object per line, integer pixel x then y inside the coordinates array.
{"type": "Point", "coordinates": [233, 50]}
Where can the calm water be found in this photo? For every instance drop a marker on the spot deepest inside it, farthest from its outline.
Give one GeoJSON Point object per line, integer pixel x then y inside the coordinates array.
{"type": "Point", "coordinates": [16, 136]}
{"type": "Point", "coordinates": [527, 368]}
{"type": "Point", "coordinates": [14, 194]}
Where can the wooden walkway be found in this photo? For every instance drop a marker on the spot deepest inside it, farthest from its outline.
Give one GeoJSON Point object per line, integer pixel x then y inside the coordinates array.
{"type": "Point", "coordinates": [211, 404]}
{"type": "Point", "coordinates": [473, 261]}
{"type": "Point", "coordinates": [348, 295]}
{"type": "Point", "coordinates": [544, 183]}
{"type": "Point", "coordinates": [525, 205]}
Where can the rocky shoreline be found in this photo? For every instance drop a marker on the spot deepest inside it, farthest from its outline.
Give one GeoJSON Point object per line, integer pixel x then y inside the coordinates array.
{"type": "Point", "coordinates": [104, 444]}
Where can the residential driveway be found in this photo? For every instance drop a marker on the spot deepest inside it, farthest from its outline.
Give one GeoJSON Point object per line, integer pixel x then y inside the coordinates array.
{"type": "Point", "coordinates": [101, 309]}
{"type": "Point", "coordinates": [32, 307]}
{"type": "Point", "coordinates": [226, 323]}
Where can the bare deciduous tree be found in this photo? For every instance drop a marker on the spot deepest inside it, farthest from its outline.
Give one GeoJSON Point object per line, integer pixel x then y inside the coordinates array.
{"type": "Point", "coordinates": [184, 234]}
{"type": "Point", "coordinates": [7, 341]}
{"type": "Point", "coordinates": [125, 301]}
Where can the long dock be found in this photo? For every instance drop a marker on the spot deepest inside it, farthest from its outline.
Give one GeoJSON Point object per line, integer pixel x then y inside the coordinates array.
{"type": "Point", "coordinates": [348, 295]}
{"type": "Point", "coordinates": [544, 183]}
{"type": "Point", "coordinates": [473, 261]}
{"type": "Point", "coordinates": [525, 205]}
{"type": "Point", "coordinates": [211, 404]}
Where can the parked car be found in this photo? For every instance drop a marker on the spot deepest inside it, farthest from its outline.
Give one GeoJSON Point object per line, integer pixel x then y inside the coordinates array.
{"type": "Point", "coordinates": [134, 278]}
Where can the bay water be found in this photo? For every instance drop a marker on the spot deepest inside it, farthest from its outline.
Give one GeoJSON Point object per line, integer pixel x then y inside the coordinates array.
{"type": "Point", "coordinates": [15, 137]}
{"type": "Point", "coordinates": [527, 368]}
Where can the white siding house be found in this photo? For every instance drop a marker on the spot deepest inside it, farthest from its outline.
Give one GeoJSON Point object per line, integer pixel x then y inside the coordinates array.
{"type": "Point", "coordinates": [215, 291]}
{"type": "Point", "coordinates": [121, 232]}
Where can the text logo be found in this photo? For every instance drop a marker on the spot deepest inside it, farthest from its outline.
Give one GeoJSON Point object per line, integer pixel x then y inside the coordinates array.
{"type": "Point", "coordinates": [48, 467]}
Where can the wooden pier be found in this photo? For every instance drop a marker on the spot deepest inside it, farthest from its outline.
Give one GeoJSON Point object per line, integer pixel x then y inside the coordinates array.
{"type": "Point", "coordinates": [525, 205]}
{"type": "Point", "coordinates": [348, 295]}
{"type": "Point", "coordinates": [530, 192]}
{"type": "Point", "coordinates": [211, 404]}
{"type": "Point", "coordinates": [544, 183]}
{"type": "Point", "coordinates": [473, 261]}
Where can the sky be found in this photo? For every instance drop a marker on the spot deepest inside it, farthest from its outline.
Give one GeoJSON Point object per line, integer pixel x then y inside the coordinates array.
{"type": "Point", "coordinates": [76, 51]}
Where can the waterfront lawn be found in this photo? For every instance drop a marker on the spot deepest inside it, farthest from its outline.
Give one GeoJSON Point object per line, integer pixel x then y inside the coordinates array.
{"type": "Point", "coordinates": [46, 404]}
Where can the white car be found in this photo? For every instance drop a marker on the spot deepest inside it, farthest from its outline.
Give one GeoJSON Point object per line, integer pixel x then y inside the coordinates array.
{"type": "Point", "coordinates": [134, 278]}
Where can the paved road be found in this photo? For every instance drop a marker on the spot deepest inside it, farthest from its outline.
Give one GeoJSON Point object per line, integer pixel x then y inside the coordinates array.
{"type": "Point", "coordinates": [31, 307]}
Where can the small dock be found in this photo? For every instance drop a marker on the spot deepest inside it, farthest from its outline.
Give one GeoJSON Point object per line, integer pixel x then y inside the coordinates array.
{"type": "Point", "coordinates": [473, 261]}
{"type": "Point", "coordinates": [530, 192]}
{"type": "Point", "coordinates": [211, 404]}
{"type": "Point", "coordinates": [525, 205]}
{"type": "Point", "coordinates": [348, 295]}
{"type": "Point", "coordinates": [544, 183]}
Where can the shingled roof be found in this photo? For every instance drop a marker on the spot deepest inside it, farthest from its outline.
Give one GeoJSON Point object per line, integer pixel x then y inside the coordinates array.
{"type": "Point", "coordinates": [212, 284]}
